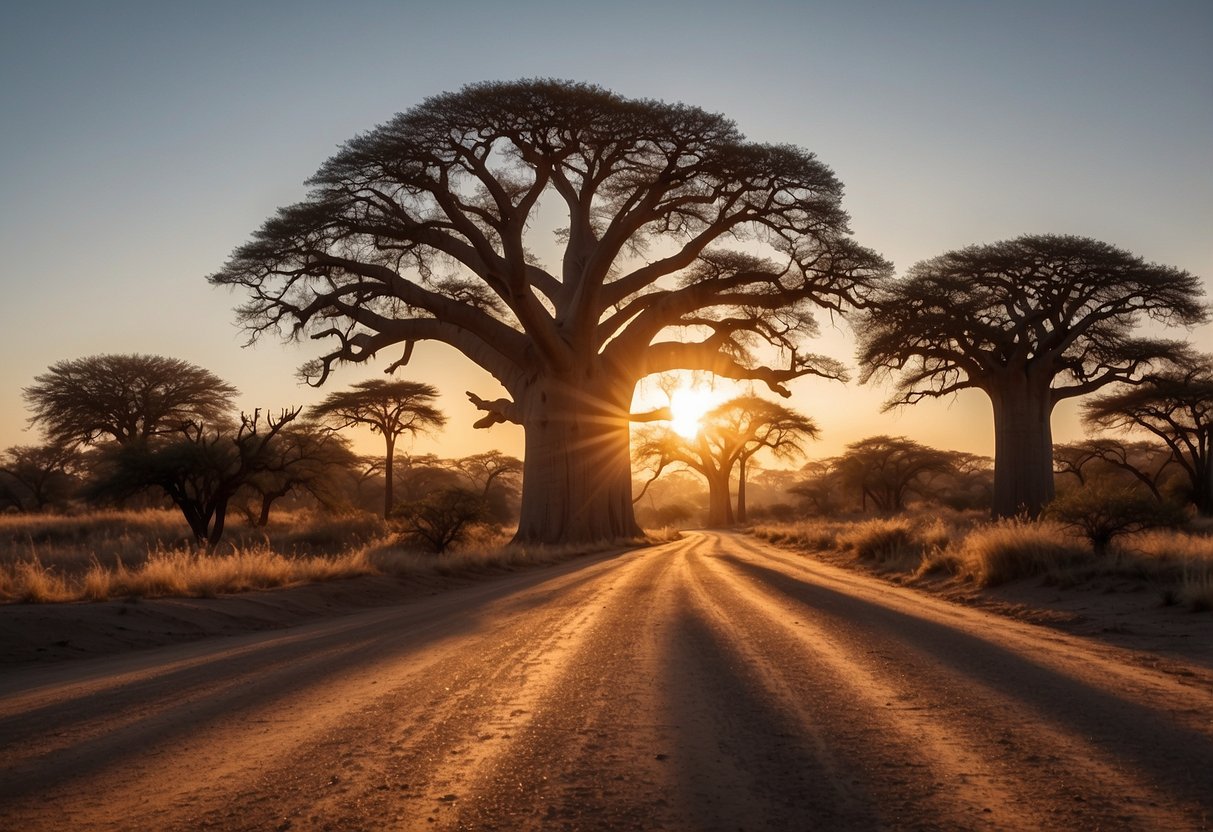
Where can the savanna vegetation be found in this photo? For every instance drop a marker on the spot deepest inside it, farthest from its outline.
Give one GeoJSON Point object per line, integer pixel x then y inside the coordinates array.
{"type": "Point", "coordinates": [684, 248]}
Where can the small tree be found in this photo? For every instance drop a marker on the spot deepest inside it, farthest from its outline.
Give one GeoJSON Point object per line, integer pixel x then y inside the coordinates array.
{"type": "Point", "coordinates": [40, 475]}
{"type": "Point", "coordinates": [1147, 462]}
{"type": "Point", "coordinates": [303, 458]}
{"type": "Point", "coordinates": [442, 517]}
{"type": "Point", "coordinates": [730, 434]}
{"type": "Point", "coordinates": [389, 408]}
{"type": "Point", "coordinates": [126, 398]}
{"type": "Point", "coordinates": [1102, 512]}
{"type": "Point", "coordinates": [1175, 405]}
{"type": "Point", "coordinates": [1030, 322]}
{"type": "Point", "coordinates": [498, 479]}
{"type": "Point", "coordinates": [200, 469]}
{"type": "Point", "coordinates": [884, 470]}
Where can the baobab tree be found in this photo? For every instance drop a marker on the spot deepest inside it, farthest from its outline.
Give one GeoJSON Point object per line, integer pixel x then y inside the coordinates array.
{"type": "Point", "coordinates": [426, 228]}
{"type": "Point", "coordinates": [729, 435]}
{"type": "Point", "coordinates": [125, 398]}
{"type": "Point", "coordinates": [390, 409]}
{"type": "Point", "coordinates": [1175, 405]}
{"type": "Point", "coordinates": [1030, 322]}
{"type": "Point", "coordinates": [756, 424]}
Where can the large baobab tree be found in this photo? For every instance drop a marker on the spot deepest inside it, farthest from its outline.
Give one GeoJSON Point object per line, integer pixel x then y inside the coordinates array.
{"type": "Point", "coordinates": [429, 228]}
{"type": "Point", "coordinates": [1175, 405]}
{"type": "Point", "coordinates": [1030, 322]}
{"type": "Point", "coordinates": [125, 398]}
{"type": "Point", "coordinates": [390, 409]}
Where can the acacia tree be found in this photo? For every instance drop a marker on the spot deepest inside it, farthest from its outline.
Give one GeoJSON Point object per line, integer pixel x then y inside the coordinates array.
{"type": "Point", "coordinates": [885, 469]}
{"type": "Point", "coordinates": [1147, 462]}
{"type": "Point", "coordinates": [730, 434]}
{"type": "Point", "coordinates": [126, 398]}
{"type": "Point", "coordinates": [304, 457]}
{"type": "Point", "coordinates": [1176, 405]}
{"type": "Point", "coordinates": [199, 468]}
{"type": "Point", "coordinates": [40, 475]}
{"type": "Point", "coordinates": [418, 230]}
{"type": "Point", "coordinates": [1030, 322]}
{"type": "Point", "coordinates": [388, 408]}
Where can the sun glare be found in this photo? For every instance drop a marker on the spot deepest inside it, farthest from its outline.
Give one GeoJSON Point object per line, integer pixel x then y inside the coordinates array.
{"type": "Point", "coordinates": [688, 405]}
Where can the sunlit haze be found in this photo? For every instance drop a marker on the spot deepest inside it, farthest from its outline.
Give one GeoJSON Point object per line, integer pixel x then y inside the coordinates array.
{"type": "Point", "coordinates": [141, 142]}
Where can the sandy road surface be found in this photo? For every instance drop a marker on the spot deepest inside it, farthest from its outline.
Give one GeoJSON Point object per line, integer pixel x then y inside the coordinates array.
{"type": "Point", "coordinates": [711, 683]}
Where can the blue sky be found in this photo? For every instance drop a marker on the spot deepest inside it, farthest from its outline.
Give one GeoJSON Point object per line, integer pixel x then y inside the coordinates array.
{"type": "Point", "coordinates": [141, 142]}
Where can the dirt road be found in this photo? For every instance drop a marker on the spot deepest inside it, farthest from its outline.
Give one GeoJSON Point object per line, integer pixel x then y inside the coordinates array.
{"type": "Point", "coordinates": [711, 683]}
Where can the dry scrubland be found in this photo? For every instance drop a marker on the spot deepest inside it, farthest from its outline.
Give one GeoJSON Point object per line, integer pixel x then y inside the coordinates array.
{"type": "Point", "coordinates": [119, 554]}
{"type": "Point", "coordinates": [1178, 563]}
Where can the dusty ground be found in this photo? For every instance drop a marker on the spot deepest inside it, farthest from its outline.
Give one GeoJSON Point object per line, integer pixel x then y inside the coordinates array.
{"type": "Point", "coordinates": [711, 683]}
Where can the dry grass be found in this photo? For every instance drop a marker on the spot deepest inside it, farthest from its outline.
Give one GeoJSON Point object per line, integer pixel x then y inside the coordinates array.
{"type": "Point", "coordinates": [107, 555]}
{"type": "Point", "coordinates": [990, 553]}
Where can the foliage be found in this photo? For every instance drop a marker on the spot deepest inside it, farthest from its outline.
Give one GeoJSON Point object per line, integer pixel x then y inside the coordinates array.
{"type": "Point", "coordinates": [125, 398]}
{"type": "Point", "coordinates": [35, 477]}
{"type": "Point", "coordinates": [441, 517]}
{"type": "Point", "coordinates": [200, 469]}
{"type": "Point", "coordinates": [1176, 406]}
{"type": "Point", "coordinates": [423, 228]}
{"type": "Point", "coordinates": [389, 408]}
{"type": "Point", "coordinates": [730, 434]}
{"type": "Point", "coordinates": [303, 458]}
{"type": "Point", "coordinates": [1102, 511]}
{"type": "Point", "coordinates": [1029, 321]}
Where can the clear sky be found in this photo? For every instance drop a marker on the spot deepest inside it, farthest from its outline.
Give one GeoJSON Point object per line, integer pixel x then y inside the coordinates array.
{"type": "Point", "coordinates": [141, 142]}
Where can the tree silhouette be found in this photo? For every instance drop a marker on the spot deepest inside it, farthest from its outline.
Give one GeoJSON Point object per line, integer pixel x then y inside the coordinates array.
{"type": "Point", "coordinates": [1176, 405]}
{"type": "Point", "coordinates": [884, 470]}
{"type": "Point", "coordinates": [1030, 322]}
{"type": "Point", "coordinates": [305, 457]}
{"type": "Point", "coordinates": [754, 424]}
{"type": "Point", "coordinates": [39, 475]}
{"type": "Point", "coordinates": [200, 468]}
{"type": "Point", "coordinates": [1147, 462]}
{"type": "Point", "coordinates": [426, 228]}
{"type": "Point", "coordinates": [389, 408]}
{"type": "Point", "coordinates": [127, 398]}
{"type": "Point", "coordinates": [729, 435]}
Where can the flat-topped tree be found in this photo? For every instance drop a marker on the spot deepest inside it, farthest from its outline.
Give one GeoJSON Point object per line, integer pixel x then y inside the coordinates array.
{"type": "Point", "coordinates": [125, 397]}
{"type": "Point", "coordinates": [423, 229]}
{"type": "Point", "coordinates": [1030, 322]}
{"type": "Point", "coordinates": [390, 409]}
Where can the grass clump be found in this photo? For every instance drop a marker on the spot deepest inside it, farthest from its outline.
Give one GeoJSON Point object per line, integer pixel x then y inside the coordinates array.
{"type": "Point", "coordinates": [1007, 550]}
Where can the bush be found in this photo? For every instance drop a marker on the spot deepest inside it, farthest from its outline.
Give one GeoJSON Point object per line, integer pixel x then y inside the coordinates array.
{"type": "Point", "coordinates": [1103, 512]}
{"type": "Point", "coordinates": [1011, 549]}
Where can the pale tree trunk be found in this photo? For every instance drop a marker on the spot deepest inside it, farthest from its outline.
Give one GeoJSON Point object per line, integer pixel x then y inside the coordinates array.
{"type": "Point", "coordinates": [1023, 447]}
{"type": "Point", "coordinates": [577, 473]}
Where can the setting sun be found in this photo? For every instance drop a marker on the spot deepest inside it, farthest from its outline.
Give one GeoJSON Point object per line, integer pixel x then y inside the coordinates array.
{"type": "Point", "coordinates": [688, 405]}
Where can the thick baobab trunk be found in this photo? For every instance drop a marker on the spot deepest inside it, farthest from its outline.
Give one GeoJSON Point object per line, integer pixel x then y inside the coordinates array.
{"type": "Point", "coordinates": [1023, 449]}
{"type": "Point", "coordinates": [577, 473]}
{"type": "Point", "coordinates": [1203, 496]}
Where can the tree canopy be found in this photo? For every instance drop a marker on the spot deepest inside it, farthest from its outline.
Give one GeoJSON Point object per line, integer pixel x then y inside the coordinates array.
{"type": "Point", "coordinates": [684, 246]}
{"type": "Point", "coordinates": [1030, 322]}
{"type": "Point", "coordinates": [125, 398]}
{"type": "Point", "coordinates": [1176, 406]}
{"type": "Point", "coordinates": [389, 408]}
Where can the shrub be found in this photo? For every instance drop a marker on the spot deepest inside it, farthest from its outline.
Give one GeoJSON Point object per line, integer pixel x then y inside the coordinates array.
{"type": "Point", "coordinates": [1010, 549]}
{"type": "Point", "coordinates": [1102, 512]}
